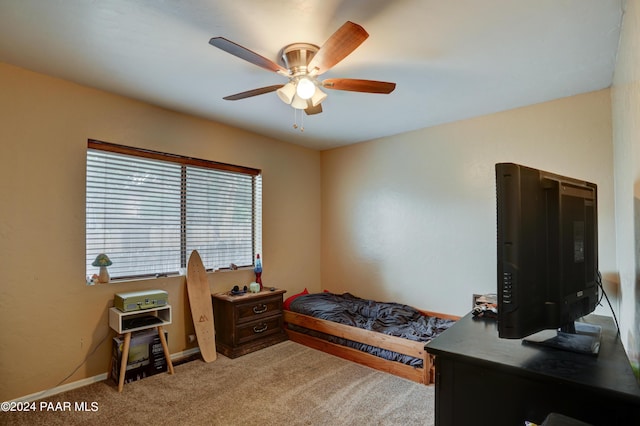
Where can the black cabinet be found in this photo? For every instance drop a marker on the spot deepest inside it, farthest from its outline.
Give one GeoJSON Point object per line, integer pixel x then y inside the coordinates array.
{"type": "Point", "coordinates": [484, 380]}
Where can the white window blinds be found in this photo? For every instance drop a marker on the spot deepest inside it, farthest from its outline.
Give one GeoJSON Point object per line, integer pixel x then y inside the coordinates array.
{"type": "Point", "coordinates": [147, 211]}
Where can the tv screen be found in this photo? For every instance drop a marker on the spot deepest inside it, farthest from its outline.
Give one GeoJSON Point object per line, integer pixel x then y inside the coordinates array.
{"type": "Point", "coordinates": [547, 252]}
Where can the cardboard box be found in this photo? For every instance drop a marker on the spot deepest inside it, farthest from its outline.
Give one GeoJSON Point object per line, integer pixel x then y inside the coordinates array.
{"type": "Point", "coordinates": [145, 358]}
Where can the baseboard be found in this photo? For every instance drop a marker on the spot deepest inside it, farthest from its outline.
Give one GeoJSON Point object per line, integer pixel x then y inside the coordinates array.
{"type": "Point", "coordinates": [62, 388]}
{"type": "Point", "coordinates": [90, 380]}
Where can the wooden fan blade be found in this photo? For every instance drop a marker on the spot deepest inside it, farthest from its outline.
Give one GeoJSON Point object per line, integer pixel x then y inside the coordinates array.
{"type": "Point", "coordinates": [246, 54]}
{"type": "Point", "coordinates": [344, 41]}
{"type": "Point", "coordinates": [254, 92]}
{"type": "Point", "coordinates": [314, 109]}
{"type": "Point", "coordinates": [355, 85]}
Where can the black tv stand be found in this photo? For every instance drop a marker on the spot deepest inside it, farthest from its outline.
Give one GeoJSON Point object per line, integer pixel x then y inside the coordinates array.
{"type": "Point", "coordinates": [484, 380]}
{"type": "Point", "coordinates": [579, 337]}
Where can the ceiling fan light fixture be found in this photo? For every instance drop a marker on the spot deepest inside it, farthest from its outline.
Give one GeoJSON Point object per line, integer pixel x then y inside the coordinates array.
{"type": "Point", "coordinates": [305, 88]}
{"type": "Point", "coordinates": [287, 92]}
{"type": "Point", "coordinates": [318, 97]}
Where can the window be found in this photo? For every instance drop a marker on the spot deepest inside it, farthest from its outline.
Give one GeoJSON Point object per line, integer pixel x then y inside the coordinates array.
{"type": "Point", "coordinates": [147, 211]}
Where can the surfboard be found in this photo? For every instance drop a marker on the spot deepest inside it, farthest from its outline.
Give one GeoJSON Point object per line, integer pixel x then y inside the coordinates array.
{"type": "Point", "coordinates": [201, 306]}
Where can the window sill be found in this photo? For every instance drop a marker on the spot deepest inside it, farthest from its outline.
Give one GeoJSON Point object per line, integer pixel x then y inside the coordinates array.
{"type": "Point", "coordinates": [163, 276]}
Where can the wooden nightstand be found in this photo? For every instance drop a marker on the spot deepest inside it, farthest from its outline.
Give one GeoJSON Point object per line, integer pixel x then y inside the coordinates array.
{"type": "Point", "coordinates": [248, 322]}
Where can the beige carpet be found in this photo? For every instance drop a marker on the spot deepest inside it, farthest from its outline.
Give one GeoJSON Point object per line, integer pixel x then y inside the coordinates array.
{"type": "Point", "coordinates": [284, 384]}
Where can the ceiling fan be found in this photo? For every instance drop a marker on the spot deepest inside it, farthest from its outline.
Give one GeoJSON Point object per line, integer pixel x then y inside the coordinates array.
{"type": "Point", "coordinates": [302, 63]}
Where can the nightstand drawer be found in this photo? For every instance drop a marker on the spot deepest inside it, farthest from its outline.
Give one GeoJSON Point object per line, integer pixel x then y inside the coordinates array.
{"type": "Point", "coordinates": [258, 308]}
{"type": "Point", "coordinates": [258, 329]}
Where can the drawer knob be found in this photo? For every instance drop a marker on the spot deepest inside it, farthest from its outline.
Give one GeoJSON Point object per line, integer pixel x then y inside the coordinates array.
{"type": "Point", "coordinates": [260, 309]}
{"type": "Point", "coordinates": [257, 329]}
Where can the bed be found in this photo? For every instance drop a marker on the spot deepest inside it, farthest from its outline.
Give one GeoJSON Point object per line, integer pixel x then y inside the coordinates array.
{"type": "Point", "coordinates": [390, 337]}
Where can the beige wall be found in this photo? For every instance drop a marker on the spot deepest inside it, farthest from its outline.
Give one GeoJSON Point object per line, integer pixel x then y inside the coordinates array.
{"type": "Point", "coordinates": [50, 320]}
{"type": "Point", "coordinates": [411, 218]}
{"type": "Point", "coordinates": [626, 136]}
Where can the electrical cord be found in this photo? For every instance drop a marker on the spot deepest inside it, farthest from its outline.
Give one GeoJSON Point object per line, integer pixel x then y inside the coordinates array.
{"type": "Point", "coordinates": [40, 394]}
{"type": "Point", "coordinates": [86, 359]}
{"type": "Point", "coordinates": [604, 293]}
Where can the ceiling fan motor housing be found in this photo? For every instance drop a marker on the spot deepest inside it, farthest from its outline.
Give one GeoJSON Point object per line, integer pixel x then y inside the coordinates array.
{"type": "Point", "coordinates": [296, 56]}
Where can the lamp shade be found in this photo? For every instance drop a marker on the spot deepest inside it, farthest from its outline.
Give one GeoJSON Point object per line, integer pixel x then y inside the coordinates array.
{"type": "Point", "coordinates": [102, 260]}
{"type": "Point", "coordinates": [287, 92]}
{"type": "Point", "coordinates": [318, 97]}
{"type": "Point", "coordinates": [305, 88]}
{"type": "Point", "coordinates": [299, 103]}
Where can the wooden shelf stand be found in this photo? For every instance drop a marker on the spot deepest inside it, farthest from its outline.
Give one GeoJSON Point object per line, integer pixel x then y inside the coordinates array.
{"type": "Point", "coordinates": [117, 322]}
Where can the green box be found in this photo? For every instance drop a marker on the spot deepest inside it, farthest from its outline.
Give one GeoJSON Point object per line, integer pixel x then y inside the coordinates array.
{"type": "Point", "coordinates": [140, 300]}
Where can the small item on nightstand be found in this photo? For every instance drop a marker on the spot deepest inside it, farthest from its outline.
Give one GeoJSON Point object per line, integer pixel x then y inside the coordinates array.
{"type": "Point", "coordinates": [258, 270]}
{"type": "Point", "coordinates": [236, 290]}
{"type": "Point", "coordinates": [254, 287]}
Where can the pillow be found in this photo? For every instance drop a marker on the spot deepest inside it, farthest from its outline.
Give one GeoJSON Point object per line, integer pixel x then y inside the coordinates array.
{"type": "Point", "coordinates": [290, 299]}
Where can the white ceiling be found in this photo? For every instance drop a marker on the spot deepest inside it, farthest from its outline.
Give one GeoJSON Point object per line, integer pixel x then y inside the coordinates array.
{"type": "Point", "coordinates": [451, 59]}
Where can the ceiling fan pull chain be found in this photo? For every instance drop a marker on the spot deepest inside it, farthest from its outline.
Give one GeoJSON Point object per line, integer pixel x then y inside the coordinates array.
{"type": "Point", "coordinates": [295, 119]}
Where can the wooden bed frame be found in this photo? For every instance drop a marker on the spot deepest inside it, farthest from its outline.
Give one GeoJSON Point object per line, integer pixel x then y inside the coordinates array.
{"type": "Point", "coordinates": [412, 348]}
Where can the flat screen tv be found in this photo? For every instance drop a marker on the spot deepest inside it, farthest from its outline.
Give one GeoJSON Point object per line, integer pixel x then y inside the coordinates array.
{"type": "Point", "coordinates": [547, 252]}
